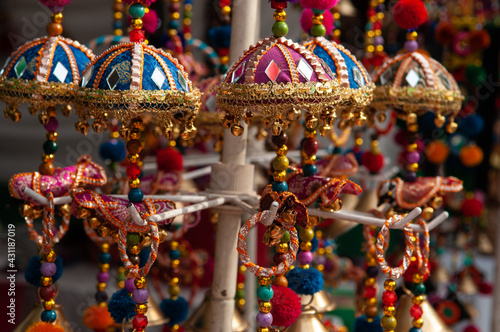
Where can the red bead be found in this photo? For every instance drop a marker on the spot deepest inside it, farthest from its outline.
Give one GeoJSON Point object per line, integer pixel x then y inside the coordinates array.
{"type": "Point", "coordinates": [310, 146]}
{"type": "Point", "coordinates": [47, 293]}
{"type": "Point", "coordinates": [278, 4]}
{"type": "Point", "coordinates": [174, 272]}
{"type": "Point", "coordinates": [223, 51]}
{"type": "Point", "coordinates": [371, 12]}
{"type": "Point", "coordinates": [133, 171]}
{"type": "Point", "coordinates": [377, 26]}
{"type": "Point", "coordinates": [471, 328]}
{"type": "Point", "coordinates": [416, 311]}
{"type": "Point", "coordinates": [240, 278]}
{"type": "Point", "coordinates": [137, 35]}
{"type": "Point", "coordinates": [370, 292]}
{"type": "Point", "coordinates": [140, 321]}
{"type": "Point", "coordinates": [389, 298]}
{"type": "Point", "coordinates": [278, 258]}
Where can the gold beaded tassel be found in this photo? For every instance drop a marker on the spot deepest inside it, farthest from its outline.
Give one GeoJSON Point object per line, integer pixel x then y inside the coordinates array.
{"type": "Point", "coordinates": [174, 289]}
{"type": "Point", "coordinates": [46, 290]}
{"type": "Point", "coordinates": [103, 276]}
{"type": "Point", "coordinates": [50, 123]}
{"type": "Point", "coordinates": [370, 292]}
{"type": "Point", "coordinates": [134, 148]}
{"type": "Point", "coordinates": [118, 8]}
{"type": "Point", "coordinates": [264, 294]}
{"type": "Point", "coordinates": [240, 287]}
{"type": "Point", "coordinates": [389, 297]}
{"type": "Point", "coordinates": [280, 163]}
{"type": "Point", "coordinates": [418, 291]}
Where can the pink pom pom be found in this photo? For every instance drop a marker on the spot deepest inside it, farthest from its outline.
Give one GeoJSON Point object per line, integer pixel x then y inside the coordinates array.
{"type": "Point", "coordinates": [285, 306]}
{"type": "Point", "coordinates": [318, 4]}
{"type": "Point", "coordinates": [150, 21]}
{"type": "Point", "coordinates": [55, 5]}
{"type": "Point", "coordinates": [306, 20]}
{"type": "Point", "coordinates": [146, 3]}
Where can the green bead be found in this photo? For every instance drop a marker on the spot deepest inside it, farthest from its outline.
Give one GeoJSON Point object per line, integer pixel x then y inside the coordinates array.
{"type": "Point", "coordinates": [285, 238]}
{"type": "Point", "coordinates": [388, 323]}
{"type": "Point", "coordinates": [418, 289]}
{"type": "Point", "coordinates": [121, 277]}
{"type": "Point", "coordinates": [223, 69]}
{"type": "Point", "coordinates": [188, 14]}
{"type": "Point", "coordinates": [280, 29]}
{"type": "Point", "coordinates": [318, 30]}
{"type": "Point", "coordinates": [50, 147]}
{"type": "Point", "coordinates": [133, 239]}
{"type": "Point", "coordinates": [317, 11]}
{"type": "Point", "coordinates": [137, 10]}
{"type": "Point", "coordinates": [240, 294]}
{"type": "Point", "coordinates": [265, 293]}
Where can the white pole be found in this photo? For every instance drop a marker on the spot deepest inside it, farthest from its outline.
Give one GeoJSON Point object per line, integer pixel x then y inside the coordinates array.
{"type": "Point", "coordinates": [496, 295]}
{"type": "Point", "coordinates": [232, 176]}
{"type": "Point", "coordinates": [250, 308]}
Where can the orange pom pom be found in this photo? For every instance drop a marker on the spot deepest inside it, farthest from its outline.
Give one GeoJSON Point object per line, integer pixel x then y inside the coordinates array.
{"type": "Point", "coordinates": [45, 327]}
{"type": "Point", "coordinates": [479, 40]}
{"type": "Point", "coordinates": [471, 155]}
{"type": "Point", "coordinates": [437, 152]}
{"type": "Point", "coordinates": [97, 317]}
{"type": "Point", "coordinates": [445, 32]}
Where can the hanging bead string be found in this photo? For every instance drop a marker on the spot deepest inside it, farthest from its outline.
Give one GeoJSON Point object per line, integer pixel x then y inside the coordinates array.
{"type": "Point", "coordinates": [280, 256]}
{"type": "Point", "coordinates": [240, 287]}
{"type": "Point", "coordinates": [310, 146]}
{"type": "Point", "coordinates": [137, 11]}
{"type": "Point", "coordinates": [118, 8]}
{"type": "Point", "coordinates": [418, 289]}
{"type": "Point", "coordinates": [174, 289]}
{"type": "Point", "coordinates": [280, 163]}
{"type": "Point", "coordinates": [173, 26]}
{"type": "Point", "coordinates": [374, 38]}
{"type": "Point", "coordinates": [51, 124]}
{"type": "Point", "coordinates": [223, 52]}
{"type": "Point", "coordinates": [370, 292]}
{"type": "Point", "coordinates": [336, 25]}
{"type": "Point", "coordinates": [389, 297]}
{"type": "Point", "coordinates": [187, 19]}
{"type": "Point", "coordinates": [280, 28]}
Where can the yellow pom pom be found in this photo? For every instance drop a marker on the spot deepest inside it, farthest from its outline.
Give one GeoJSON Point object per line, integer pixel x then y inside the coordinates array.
{"type": "Point", "coordinates": [97, 317]}
{"type": "Point", "coordinates": [45, 327]}
{"type": "Point", "coordinates": [471, 155]}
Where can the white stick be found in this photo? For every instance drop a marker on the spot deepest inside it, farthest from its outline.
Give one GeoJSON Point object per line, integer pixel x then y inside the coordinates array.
{"type": "Point", "coordinates": [43, 200]}
{"type": "Point", "coordinates": [244, 206]}
{"type": "Point", "coordinates": [408, 218]}
{"type": "Point", "coordinates": [437, 220]}
{"type": "Point", "coordinates": [197, 173]}
{"type": "Point", "coordinates": [188, 209]}
{"type": "Point", "coordinates": [134, 214]}
{"type": "Point", "coordinates": [175, 198]}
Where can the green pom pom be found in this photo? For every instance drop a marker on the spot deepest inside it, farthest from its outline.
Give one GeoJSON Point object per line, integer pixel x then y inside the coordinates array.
{"type": "Point", "coordinates": [476, 75]}
{"type": "Point", "coordinates": [280, 29]}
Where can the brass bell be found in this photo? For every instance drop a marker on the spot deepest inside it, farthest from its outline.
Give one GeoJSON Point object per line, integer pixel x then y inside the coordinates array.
{"type": "Point", "coordinates": [308, 321]}
{"type": "Point", "coordinates": [200, 319]}
{"type": "Point", "coordinates": [432, 321]}
{"type": "Point", "coordinates": [467, 285]}
{"type": "Point", "coordinates": [322, 301]}
{"type": "Point", "coordinates": [154, 314]}
{"type": "Point", "coordinates": [484, 245]}
{"type": "Point", "coordinates": [440, 275]}
{"type": "Point", "coordinates": [34, 316]}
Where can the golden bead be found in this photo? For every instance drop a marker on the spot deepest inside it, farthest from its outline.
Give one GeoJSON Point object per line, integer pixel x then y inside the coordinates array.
{"type": "Point", "coordinates": [226, 10]}
{"type": "Point", "coordinates": [451, 127]}
{"type": "Point", "coordinates": [146, 241]}
{"type": "Point", "coordinates": [240, 286]}
{"type": "Point", "coordinates": [133, 158]}
{"type": "Point", "coordinates": [390, 285]}
{"type": "Point", "coordinates": [174, 290]}
{"type": "Point", "coordinates": [118, 32]}
{"type": "Point", "coordinates": [317, 19]}
{"type": "Point", "coordinates": [418, 323]}
{"type": "Point", "coordinates": [135, 249]}
{"type": "Point", "coordinates": [439, 120]}
{"type": "Point", "coordinates": [413, 167]}
{"type": "Point", "coordinates": [310, 133]}
{"type": "Point", "coordinates": [417, 278]}
{"type": "Point", "coordinates": [371, 311]}
{"type": "Point", "coordinates": [104, 267]}
{"type": "Point", "coordinates": [134, 183]}
{"type": "Point", "coordinates": [175, 15]}
{"type": "Point", "coordinates": [437, 202]}
{"type": "Point", "coordinates": [45, 281]}
{"type": "Point", "coordinates": [279, 15]}
{"type": "Point", "coordinates": [263, 281]}
{"type": "Point", "coordinates": [305, 266]}
{"type": "Point", "coordinates": [237, 130]}
{"type": "Point", "coordinates": [370, 281]}
{"type": "Point", "coordinates": [265, 307]}
{"type": "Point", "coordinates": [242, 268]}
{"type": "Point", "coordinates": [174, 245]}
{"type": "Point", "coordinates": [103, 231]}
{"type": "Point", "coordinates": [336, 205]}
{"type": "Point", "coordinates": [263, 329]}
{"type": "Point", "coordinates": [241, 303]}
{"type": "Point", "coordinates": [305, 246]}
{"type": "Point", "coordinates": [282, 151]}
{"type": "Point", "coordinates": [371, 301]}
{"type": "Point", "coordinates": [140, 282]}
{"type": "Point", "coordinates": [141, 308]}
{"type": "Point", "coordinates": [57, 17]}
{"type": "Point", "coordinates": [279, 176]}
{"type": "Point", "coordinates": [105, 247]}
{"type": "Point", "coordinates": [310, 160]}
{"type": "Point", "coordinates": [390, 311]}
{"type": "Point", "coordinates": [135, 134]}
{"type": "Point", "coordinates": [282, 248]}
{"type": "Point", "coordinates": [280, 163]}
{"type": "Point", "coordinates": [418, 299]}
{"type": "Point", "coordinates": [48, 158]}
{"type": "Point", "coordinates": [118, 16]}
{"type": "Point", "coordinates": [312, 122]}
{"type": "Point", "coordinates": [49, 304]}
{"type": "Point", "coordinates": [162, 234]}
{"type": "Point", "coordinates": [51, 136]}
{"type": "Point", "coordinates": [49, 257]}
{"type": "Point", "coordinates": [101, 286]}
{"type": "Point", "coordinates": [370, 48]}
{"type": "Point", "coordinates": [411, 118]}
{"type": "Point", "coordinates": [427, 213]}
{"type": "Point", "coordinates": [306, 234]}
{"type": "Point", "coordinates": [136, 23]}
{"type": "Point", "coordinates": [388, 323]}
{"type": "Point", "coordinates": [174, 263]}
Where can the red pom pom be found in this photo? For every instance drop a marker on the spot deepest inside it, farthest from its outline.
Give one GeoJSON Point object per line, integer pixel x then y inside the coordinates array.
{"type": "Point", "coordinates": [485, 288]}
{"type": "Point", "coordinates": [97, 317]}
{"type": "Point", "coordinates": [318, 4]}
{"type": "Point", "coordinates": [169, 159]}
{"type": "Point", "coordinates": [479, 40]}
{"type": "Point", "coordinates": [146, 3]}
{"type": "Point", "coordinates": [306, 20]}
{"type": "Point", "coordinates": [285, 306]}
{"type": "Point", "coordinates": [472, 207]}
{"type": "Point", "coordinates": [412, 269]}
{"type": "Point", "coordinates": [55, 4]}
{"type": "Point", "coordinates": [471, 328]}
{"type": "Point", "coordinates": [445, 32]}
{"type": "Point", "coordinates": [410, 14]}
{"type": "Point", "coordinates": [374, 162]}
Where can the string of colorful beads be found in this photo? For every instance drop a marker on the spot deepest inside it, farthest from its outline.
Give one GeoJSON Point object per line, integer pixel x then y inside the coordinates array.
{"type": "Point", "coordinates": [223, 52]}
{"type": "Point", "coordinates": [174, 289]}
{"type": "Point", "coordinates": [118, 8]}
{"type": "Point", "coordinates": [280, 163]}
{"type": "Point", "coordinates": [264, 294]}
{"type": "Point", "coordinates": [389, 297]}
{"type": "Point", "coordinates": [411, 156]}
{"type": "Point", "coordinates": [305, 255]}
{"type": "Point", "coordinates": [187, 19]}
{"type": "Point", "coordinates": [51, 124]}
{"type": "Point", "coordinates": [173, 26]}
{"type": "Point", "coordinates": [280, 256]}
{"type": "Point", "coordinates": [103, 276]}
{"type": "Point", "coordinates": [120, 277]}
{"type": "Point", "coordinates": [336, 25]}
{"type": "Point", "coordinates": [374, 39]}
{"type": "Point", "coordinates": [280, 28]}
{"type": "Point", "coordinates": [416, 312]}
{"type": "Point", "coordinates": [310, 146]}
{"type": "Point", "coordinates": [318, 29]}
{"type": "Point", "coordinates": [47, 291]}
{"type": "Point", "coordinates": [134, 147]}
{"type": "Point", "coordinates": [240, 287]}
{"type": "Point", "coordinates": [137, 12]}
{"type": "Point", "coordinates": [370, 291]}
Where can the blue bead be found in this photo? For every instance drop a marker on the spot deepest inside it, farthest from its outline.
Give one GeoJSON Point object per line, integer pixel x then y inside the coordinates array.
{"type": "Point", "coordinates": [280, 186]}
{"type": "Point", "coordinates": [117, 25]}
{"type": "Point", "coordinates": [137, 10]}
{"type": "Point", "coordinates": [104, 257]}
{"type": "Point", "coordinates": [49, 316]}
{"type": "Point", "coordinates": [173, 25]}
{"type": "Point", "coordinates": [174, 254]}
{"type": "Point", "coordinates": [415, 329]}
{"type": "Point", "coordinates": [135, 195]}
{"type": "Point", "coordinates": [310, 170]}
{"type": "Point", "coordinates": [265, 293]}
{"type": "Point", "coordinates": [50, 147]}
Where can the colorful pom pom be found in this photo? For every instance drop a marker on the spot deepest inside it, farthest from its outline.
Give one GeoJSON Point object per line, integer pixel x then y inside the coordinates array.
{"type": "Point", "coordinates": [220, 36]}
{"type": "Point", "coordinates": [33, 274]}
{"type": "Point", "coordinates": [146, 3]}
{"type": "Point", "coordinates": [479, 40]}
{"type": "Point", "coordinates": [472, 207]}
{"type": "Point", "coordinates": [305, 281]}
{"type": "Point", "coordinates": [150, 21]}
{"type": "Point", "coordinates": [318, 4]}
{"type": "Point", "coordinates": [121, 306]}
{"type": "Point", "coordinates": [373, 162]}
{"type": "Point", "coordinates": [445, 32]}
{"type": "Point", "coordinates": [361, 324]}
{"type": "Point", "coordinates": [55, 4]}
{"type": "Point", "coordinates": [437, 152]}
{"type": "Point", "coordinates": [410, 14]}
{"type": "Point", "coordinates": [286, 306]}
{"type": "Point", "coordinates": [45, 327]}
{"type": "Point", "coordinates": [169, 159]}
{"type": "Point", "coordinates": [471, 155]}
{"type": "Point", "coordinates": [175, 310]}
{"type": "Point", "coordinates": [113, 150]}
{"type": "Point", "coordinates": [97, 317]}
{"type": "Point", "coordinates": [306, 20]}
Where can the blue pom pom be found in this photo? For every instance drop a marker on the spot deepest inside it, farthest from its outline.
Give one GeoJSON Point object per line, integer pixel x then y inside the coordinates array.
{"type": "Point", "coordinates": [314, 243]}
{"type": "Point", "coordinates": [305, 281]}
{"type": "Point", "coordinates": [472, 125]}
{"type": "Point", "coordinates": [33, 274]}
{"type": "Point", "coordinates": [113, 150]}
{"type": "Point", "coordinates": [175, 310]}
{"type": "Point", "coordinates": [362, 325]}
{"type": "Point", "coordinates": [220, 36]}
{"type": "Point", "coordinates": [121, 306]}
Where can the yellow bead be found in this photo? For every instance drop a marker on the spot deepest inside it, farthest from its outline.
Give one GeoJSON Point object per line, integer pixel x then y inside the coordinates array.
{"type": "Point", "coordinates": [133, 158]}
{"type": "Point", "coordinates": [279, 15]}
{"type": "Point", "coordinates": [241, 303]}
{"type": "Point", "coordinates": [187, 21]}
{"type": "Point", "coordinates": [135, 183]}
{"type": "Point", "coordinates": [49, 257]}
{"type": "Point", "coordinates": [105, 247]}
{"type": "Point", "coordinates": [242, 268]}
{"type": "Point", "coordinates": [57, 17]}
{"type": "Point", "coordinates": [226, 10]}
{"type": "Point", "coordinates": [174, 290]}
{"type": "Point", "coordinates": [388, 323]}
{"type": "Point", "coordinates": [175, 16]}
{"type": "Point", "coordinates": [135, 249]}
{"type": "Point", "coordinates": [317, 19]}
{"type": "Point", "coordinates": [370, 281]}
{"type": "Point", "coordinates": [306, 234]}
{"type": "Point", "coordinates": [370, 48]}
{"type": "Point", "coordinates": [121, 284]}
{"type": "Point", "coordinates": [282, 151]}
{"type": "Point", "coordinates": [389, 311]}
{"type": "Point", "coordinates": [310, 160]}
{"type": "Point", "coordinates": [140, 282]}
{"type": "Point", "coordinates": [174, 264]}
{"type": "Point", "coordinates": [49, 304]}
{"type": "Point", "coordinates": [310, 133]}
{"type": "Point", "coordinates": [101, 286]}
{"type": "Point", "coordinates": [263, 329]}
{"type": "Point", "coordinates": [263, 281]}
{"type": "Point", "coordinates": [141, 308]}
{"type": "Point", "coordinates": [45, 281]}
{"type": "Point", "coordinates": [282, 248]}
{"type": "Point", "coordinates": [118, 16]}
{"type": "Point", "coordinates": [103, 231]}
{"type": "Point", "coordinates": [118, 32]}
{"type": "Point", "coordinates": [371, 301]}
{"type": "Point", "coordinates": [265, 307]}
{"type": "Point", "coordinates": [51, 136]}
{"type": "Point", "coordinates": [280, 163]}
{"type": "Point", "coordinates": [412, 147]}
{"type": "Point", "coordinates": [174, 245]}
{"type": "Point", "coordinates": [240, 286]}
{"type": "Point", "coordinates": [418, 322]}
{"type": "Point", "coordinates": [305, 246]}
{"type": "Point", "coordinates": [279, 176]}
{"type": "Point", "coordinates": [418, 299]}
{"type": "Point", "coordinates": [136, 23]}
{"type": "Point", "coordinates": [104, 267]}
{"type": "Point", "coordinates": [379, 48]}
{"type": "Point", "coordinates": [390, 284]}
{"type": "Point", "coordinates": [437, 202]}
